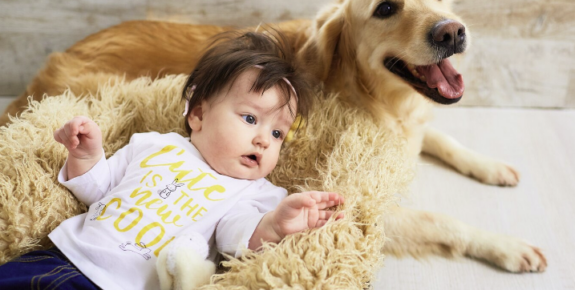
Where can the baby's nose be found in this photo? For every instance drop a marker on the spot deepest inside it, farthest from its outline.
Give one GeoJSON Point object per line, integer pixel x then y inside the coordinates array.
{"type": "Point", "coordinates": [262, 140]}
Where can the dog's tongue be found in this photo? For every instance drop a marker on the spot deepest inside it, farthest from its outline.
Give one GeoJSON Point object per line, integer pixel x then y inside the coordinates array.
{"type": "Point", "coordinates": [444, 77]}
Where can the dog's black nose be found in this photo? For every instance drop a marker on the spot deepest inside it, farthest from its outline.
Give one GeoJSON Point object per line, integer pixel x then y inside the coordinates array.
{"type": "Point", "coordinates": [449, 35]}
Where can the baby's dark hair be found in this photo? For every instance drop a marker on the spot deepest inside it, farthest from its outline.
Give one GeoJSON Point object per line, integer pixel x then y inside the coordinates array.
{"type": "Point", "coordinates": [231, 54]}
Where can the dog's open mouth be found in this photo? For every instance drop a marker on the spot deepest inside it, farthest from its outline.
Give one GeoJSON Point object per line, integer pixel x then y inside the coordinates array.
{"type": "Point", "coordinates": [439, 82]}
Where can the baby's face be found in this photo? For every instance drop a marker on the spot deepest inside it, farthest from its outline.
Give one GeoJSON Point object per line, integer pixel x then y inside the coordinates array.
{"type": "Point", "coordinates": [240, 133]}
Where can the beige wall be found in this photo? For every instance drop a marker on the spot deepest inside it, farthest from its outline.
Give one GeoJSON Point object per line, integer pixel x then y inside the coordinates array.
{"type": "Point", "coordinates": [522, 55]}
{"type": "Point", "coordinates": [523, 52]}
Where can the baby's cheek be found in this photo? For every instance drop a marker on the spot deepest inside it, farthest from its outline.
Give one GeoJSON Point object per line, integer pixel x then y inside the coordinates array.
{"type": "Point", "coordinates": [274, 160]}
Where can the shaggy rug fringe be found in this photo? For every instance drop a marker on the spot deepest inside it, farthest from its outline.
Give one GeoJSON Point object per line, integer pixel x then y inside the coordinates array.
{"type": "Point", "coordinates": [339, 149]}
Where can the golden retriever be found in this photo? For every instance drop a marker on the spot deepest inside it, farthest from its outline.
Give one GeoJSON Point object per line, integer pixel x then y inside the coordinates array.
{"type": "Point", "coordinates": [386, 56]}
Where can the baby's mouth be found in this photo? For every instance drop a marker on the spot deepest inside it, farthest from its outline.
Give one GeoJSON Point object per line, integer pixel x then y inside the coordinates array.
{"type": "Point", "coordinates": [250, 160]}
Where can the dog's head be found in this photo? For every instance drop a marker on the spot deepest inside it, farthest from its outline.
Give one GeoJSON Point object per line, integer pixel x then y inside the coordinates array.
{"type": "Point", "coordinates": [398, 43]}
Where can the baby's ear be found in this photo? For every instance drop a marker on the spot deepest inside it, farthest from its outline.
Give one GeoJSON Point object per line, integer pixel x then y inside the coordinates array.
{"type": "Point", "coordinates": [195, 118]}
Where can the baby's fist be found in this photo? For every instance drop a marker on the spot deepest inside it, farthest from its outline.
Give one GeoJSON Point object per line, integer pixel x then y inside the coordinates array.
{"type": "Point", "coordinates": [81, 136]}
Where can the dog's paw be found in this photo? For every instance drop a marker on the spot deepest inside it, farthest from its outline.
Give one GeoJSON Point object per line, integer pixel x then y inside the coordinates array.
{"type": "Point", "coordinates": [515, 255]}
{"type": "Point", "coordinates": [495, 173]}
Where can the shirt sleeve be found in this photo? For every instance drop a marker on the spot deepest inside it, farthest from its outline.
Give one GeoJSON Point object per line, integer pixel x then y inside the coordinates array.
{"type": "Point", "coordinates": [100, 179]}
{"type": "Point", "coordinates": [237, 226]}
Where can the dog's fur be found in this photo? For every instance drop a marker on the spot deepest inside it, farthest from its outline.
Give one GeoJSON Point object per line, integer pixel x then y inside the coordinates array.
{"type": "Point", "coordinates": [345, 48]}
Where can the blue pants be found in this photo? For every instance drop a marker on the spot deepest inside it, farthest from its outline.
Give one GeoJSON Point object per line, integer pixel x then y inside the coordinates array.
{"type": "Point", "coordinates": [44, 270]}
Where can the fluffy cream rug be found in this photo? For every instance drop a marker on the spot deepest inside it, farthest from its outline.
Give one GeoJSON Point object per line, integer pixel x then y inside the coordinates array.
{"type": "Point", "coordinates": [340, 149]}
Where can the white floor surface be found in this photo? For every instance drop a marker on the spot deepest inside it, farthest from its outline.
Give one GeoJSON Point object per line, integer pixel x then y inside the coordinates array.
{"type": "Point", "coordinates": [541, 209]}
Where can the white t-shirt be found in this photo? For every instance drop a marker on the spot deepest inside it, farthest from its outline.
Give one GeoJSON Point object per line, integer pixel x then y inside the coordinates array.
{"type": "Point", "coordinates": [152, 190]}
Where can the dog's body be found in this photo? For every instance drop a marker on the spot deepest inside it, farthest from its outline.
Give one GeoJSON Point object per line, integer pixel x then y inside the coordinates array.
{"type": "Point", "coordinates": [357, 48]}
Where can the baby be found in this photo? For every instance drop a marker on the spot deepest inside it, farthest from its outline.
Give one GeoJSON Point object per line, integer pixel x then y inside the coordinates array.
{"type": "Point", "coordinates": [160, 202]}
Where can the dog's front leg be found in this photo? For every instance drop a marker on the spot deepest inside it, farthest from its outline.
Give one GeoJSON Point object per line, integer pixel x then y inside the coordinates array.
{"type": "Point", "coordinates": [483, 168]}
{"type": "Point", "coordinates": [419, 233]}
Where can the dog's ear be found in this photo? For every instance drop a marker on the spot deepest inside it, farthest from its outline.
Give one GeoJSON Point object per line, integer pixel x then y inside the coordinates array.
{"type": "Point", "coordinates": [327, 43]}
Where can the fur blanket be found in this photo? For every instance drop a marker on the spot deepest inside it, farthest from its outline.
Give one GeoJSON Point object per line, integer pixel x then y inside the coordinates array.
{"type": "Point", "coordinates": [340, 149]}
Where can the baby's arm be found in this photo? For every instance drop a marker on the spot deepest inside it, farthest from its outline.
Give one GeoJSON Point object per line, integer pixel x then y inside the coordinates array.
{"type": "Point", "coordinates": [296, 213]}
{"type": "Point", "coordinates": [83, 139]}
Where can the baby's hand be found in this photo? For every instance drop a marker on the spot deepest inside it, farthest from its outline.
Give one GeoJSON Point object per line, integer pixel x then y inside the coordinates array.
{"type": "Point", "coordinates": [301, 211]}
{"type": "Point", "coordinates": [82, 137]}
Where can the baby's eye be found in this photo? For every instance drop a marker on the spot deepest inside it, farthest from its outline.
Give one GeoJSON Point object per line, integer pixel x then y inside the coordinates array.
{"type": "Point", "coordinates": [277, 134]}
{"type": "Point", "coordinates": [249, 119]}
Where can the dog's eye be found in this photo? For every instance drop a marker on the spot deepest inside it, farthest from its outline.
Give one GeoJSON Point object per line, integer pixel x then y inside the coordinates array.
{"type": "Point", "coordinates": [384, 10]}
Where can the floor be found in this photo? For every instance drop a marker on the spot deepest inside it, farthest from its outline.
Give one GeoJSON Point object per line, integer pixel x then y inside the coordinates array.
{"type": "Point", "coordinates": [541, 209]}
